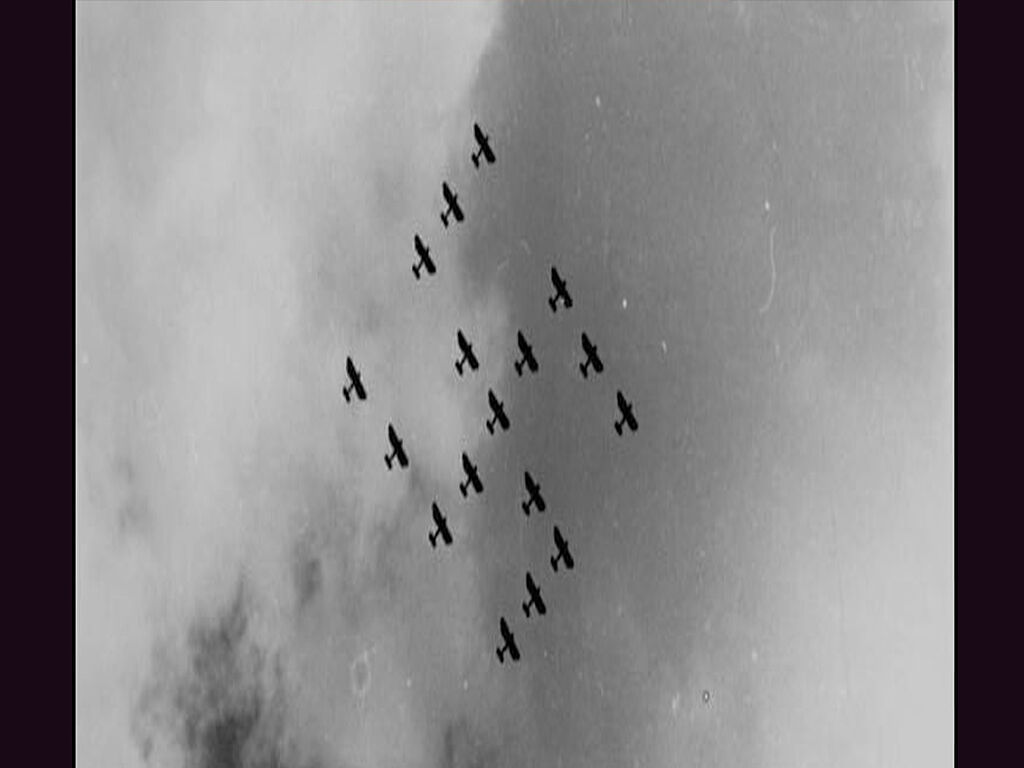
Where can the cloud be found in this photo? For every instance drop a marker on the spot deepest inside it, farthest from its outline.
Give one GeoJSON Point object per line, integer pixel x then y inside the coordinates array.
{"type": "Point", "coordinates": [249, 179]}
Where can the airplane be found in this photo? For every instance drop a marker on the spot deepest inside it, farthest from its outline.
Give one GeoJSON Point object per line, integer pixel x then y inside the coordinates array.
{"type": "Point", "coordinates": [425, 261]}
{"type": "Point", "coordinates": [452, 201]}
{"type": "Point", "coordinates": [561, 292]}
{"type": "Point", "coordinates": [592, 361]}
{"type": "Point", "coordinates": [563, 552]}
{"type": "Point", "coordinates": [535, 599]}
{"type": "Point", "coordinates": [485, 146]}
{"type": "Point", "coordinates": [626, 409]}
{"type": "Point", "coordinates": [355, 382]}
{"type": "Point", "coordinates": [442, 528]}
{"type": "Point", "coordinates": [467, 355]}
{"type": "Point", "coordinates": [498, 408]}
{"type": "Point", "coordinates": [472, 477]}
{"type": "Point", "coordinates": [528, 359]}
{"type": "Point", "coordinates": [397, 451]}
{"type": "Point", "coordinates": [535, 500]}
{"type": "Point", "coordinates": [510, 643]}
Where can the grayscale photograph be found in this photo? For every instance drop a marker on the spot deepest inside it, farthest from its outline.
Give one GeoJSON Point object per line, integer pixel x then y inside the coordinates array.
{"type": "Point", "coordinates": [514, 384]}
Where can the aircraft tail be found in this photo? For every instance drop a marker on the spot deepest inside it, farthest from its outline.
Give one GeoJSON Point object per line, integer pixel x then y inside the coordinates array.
{"type": "Point", "coordinates": [387, 460]}
{"type": "Point", "coordinates": [501, 656]}
{"type": "Point", "coordinates": [554, 564]}
{"type": "Point", "coordinates": [490, 426]}
{"type": "Point", "coordinates": [416, 270]}
{"type": "Point", "coordinates": [526, 609]}
{"type": "Point", "coordinates": [618, 427]}
{"type": "Point", "coordinates": [433, 539]}
{"type": "Point", "coordinates": [552, 303]}
{"type": "Point", "coordinates": [476, 159]}
{"type": "Point", "coordinates": [345, 391]}
{"type": "Point", "coordinates": [583, 370]}
{"type": "Point", "coordinates": [519, 367]}
{"type": "Point", "coordinates": [526, 508]}
{"type": "Point", "coordinates": [462, 487]}
{"type": "Point", "coordinates": [459, 364]}
{"type": "Point", "coordinates": [568, 301]}
{"type": "Point", "coordinates": [444, 220]}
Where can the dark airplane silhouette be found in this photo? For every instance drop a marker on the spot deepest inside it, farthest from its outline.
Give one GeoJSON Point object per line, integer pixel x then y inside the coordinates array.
{"type": "Point", "coordinates": [535, 500]}
{"type": "Point", "coordinates": [626, 409]}
{"type": "Point", "coordinates": [467, 355]}
{"type": "Point", "coordinates": [527, 352]}
{"type": "Point", "coordinates": [355, 382]}
{"type": "Point", "coordinates": [510, 643]}
{"type": "Point", "coordinates": [563, 552]}
{"type": "Point", "coordinates": [561, 292]}
{"type": "Point", "coordinates": [442, 528]}
{"type": "Point", "coordinates": [472, 477]}
{"type": "Point", "coordinates": [535, 599]}
{"type": "Point", "coordinates": [397, 451]}
{"type": "Point", "coordinates": [498, 408]}
{"type": "Point", "coordinates": [425, 261]}
{"type": "Point", "coordinates": [592, 361]}
{"type": "Point", "coordinates": [485, 146]}
{"type": "Point", "coordinates": [452, 201]}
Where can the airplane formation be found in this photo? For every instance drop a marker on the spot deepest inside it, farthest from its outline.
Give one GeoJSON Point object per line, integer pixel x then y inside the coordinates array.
{"type": "Point", "coordinates": [467, 362]}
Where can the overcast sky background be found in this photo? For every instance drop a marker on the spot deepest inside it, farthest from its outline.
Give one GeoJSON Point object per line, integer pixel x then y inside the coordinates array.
{"type": "Point", "coordinates": [752, 205]}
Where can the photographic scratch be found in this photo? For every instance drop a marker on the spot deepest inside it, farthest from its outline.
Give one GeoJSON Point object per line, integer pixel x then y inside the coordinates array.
{"type": "Point", "coordinates": [771, 259]}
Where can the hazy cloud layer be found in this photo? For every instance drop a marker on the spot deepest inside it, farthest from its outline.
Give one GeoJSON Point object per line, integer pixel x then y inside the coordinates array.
{"type": "Point", "coordinates": [752, 204]}
{"type": "Point", "coordinates": [249, 179]}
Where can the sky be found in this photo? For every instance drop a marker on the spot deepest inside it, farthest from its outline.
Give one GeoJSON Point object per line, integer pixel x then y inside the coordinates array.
{"type": "Point", "coordinates": [752, 207]}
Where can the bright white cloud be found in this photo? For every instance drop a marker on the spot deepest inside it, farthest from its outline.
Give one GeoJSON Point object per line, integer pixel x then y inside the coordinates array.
{"type": "Point", "coordinates": [248, 182]}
